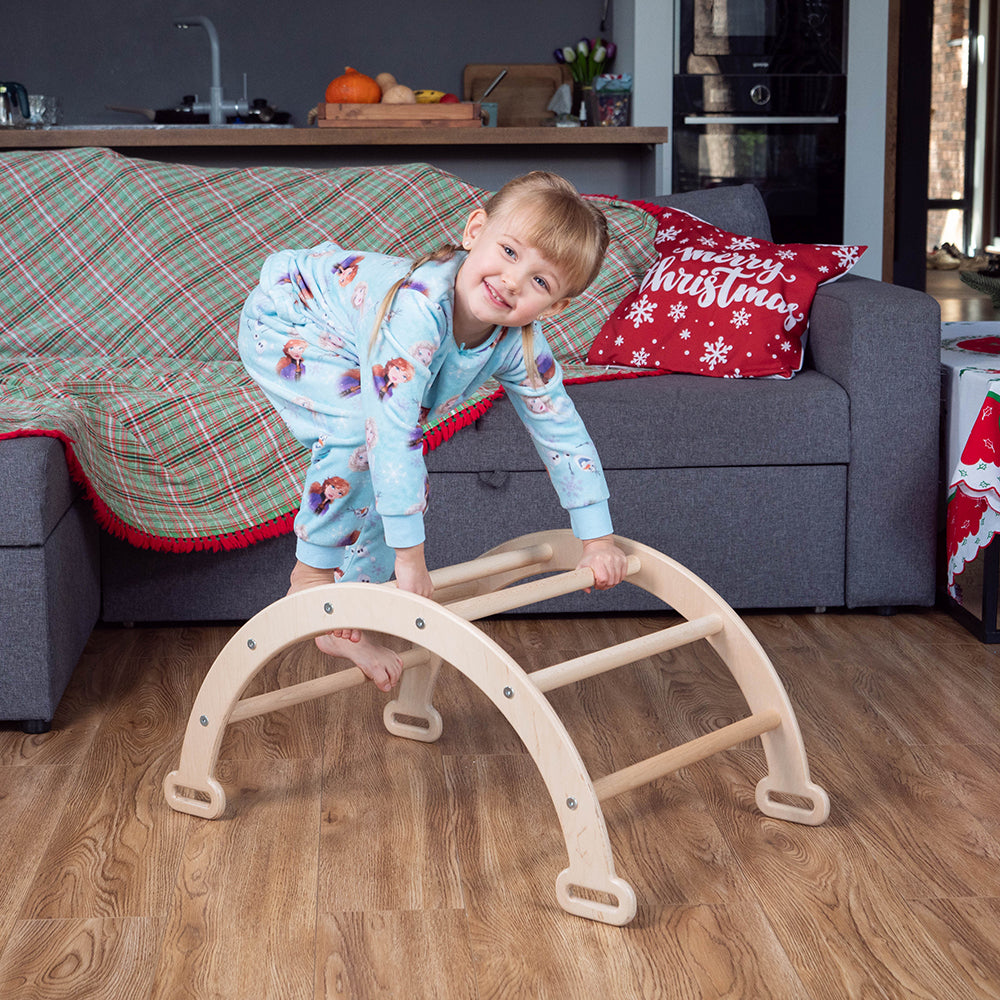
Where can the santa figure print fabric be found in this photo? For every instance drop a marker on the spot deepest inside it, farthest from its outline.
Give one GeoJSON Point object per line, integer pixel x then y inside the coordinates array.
{"type": "Point", "coordinates": [716, 303]}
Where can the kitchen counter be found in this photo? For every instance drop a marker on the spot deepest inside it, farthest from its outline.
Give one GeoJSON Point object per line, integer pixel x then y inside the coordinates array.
{"type": "Point", "coordinates": [132, 136]}
{"type": "Point", "coordinates": [627, 162]}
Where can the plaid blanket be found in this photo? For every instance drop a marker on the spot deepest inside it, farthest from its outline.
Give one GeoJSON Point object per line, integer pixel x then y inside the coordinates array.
{"type": "Point", "coordinates": [121, 283]}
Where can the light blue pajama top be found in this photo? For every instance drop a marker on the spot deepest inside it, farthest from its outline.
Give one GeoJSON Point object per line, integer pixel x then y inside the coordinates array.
{"type": "Point", "coordinates": [416, 370]}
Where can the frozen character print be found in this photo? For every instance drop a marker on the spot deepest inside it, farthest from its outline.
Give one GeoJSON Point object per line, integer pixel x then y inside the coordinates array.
{"type": "Point", "coordinates": [415, 286]}
{"type": "Point", "coordinates": [291, 364]}
{"type": "Point", "coordinates": [350, 382]}
{"type": "Point", "coordinates": [359, 295]}
{"type": "Point", "coordinates": [423, 352]}
{"type": "Point", "coordinates": [416, 438]}
{"type": "Point", "coordinates": [447, 406]}
{"type": "Point", "coordinates": [393, 373]}
{"type": "Point", "coordinates": [371, 433]}
{"type": "Point", "coordinates": [331, 342]}
{"type": "Point", "coordinates": [302, 290]}
{"type": "Point", "coordinates": [585, 463]}
{"type": "Point", "coordinates": [321, 495]}
{"type": "Point", "coordinates": [546, 367]}
{"type": "Point", "coordinates": [539, 404]}
{"type": "Point", "coordinates": [358, 461]}
{"type": "Point", "coordinates": [347, 269]}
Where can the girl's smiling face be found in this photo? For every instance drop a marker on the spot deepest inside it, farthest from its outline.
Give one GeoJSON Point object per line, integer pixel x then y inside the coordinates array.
{"type": "Point", "coordinates": [503, 281]}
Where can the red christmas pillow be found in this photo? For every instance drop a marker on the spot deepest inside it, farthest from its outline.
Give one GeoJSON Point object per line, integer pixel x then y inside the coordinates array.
{"type": "Point", "coordinates": [719, 304]}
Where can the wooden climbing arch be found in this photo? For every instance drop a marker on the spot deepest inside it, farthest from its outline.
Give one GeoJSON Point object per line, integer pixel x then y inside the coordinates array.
{"type": "Point", "coordinates": [441, 631]}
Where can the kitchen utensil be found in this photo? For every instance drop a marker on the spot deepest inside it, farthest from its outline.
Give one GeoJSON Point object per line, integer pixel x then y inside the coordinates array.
{"type": "Point", "coordinates": [522, 92]}
{"type": "Point", "coordinates": [14, 107]}
{"type": "Point", "coordinates": [489, 90]}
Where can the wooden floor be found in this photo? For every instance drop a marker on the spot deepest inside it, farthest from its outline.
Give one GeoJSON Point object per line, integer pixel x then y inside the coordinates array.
{"type": "Point", "coordinates": [957, 300]}
{"type": "Point", "coordinates": [354, 864]}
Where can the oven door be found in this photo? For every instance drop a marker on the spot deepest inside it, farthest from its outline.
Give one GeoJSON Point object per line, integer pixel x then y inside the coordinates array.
{"type": "Point", "coordinates": [796, 162]}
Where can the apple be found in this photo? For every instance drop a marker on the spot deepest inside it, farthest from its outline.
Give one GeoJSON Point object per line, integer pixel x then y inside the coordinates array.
{"type": "Point", "coordinates": [449, 99]}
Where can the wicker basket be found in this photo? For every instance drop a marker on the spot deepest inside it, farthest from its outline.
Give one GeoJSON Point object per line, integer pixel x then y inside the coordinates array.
{"type": "Point", "coordinates": [990, 284]}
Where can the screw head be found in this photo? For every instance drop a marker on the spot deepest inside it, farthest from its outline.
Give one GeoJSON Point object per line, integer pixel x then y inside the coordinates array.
{"type": "Point", "coordinates": [508, 692]}
{"type": "Point", "coordinates": [571, 803]}
{"type": "Point", "coordinates": [420, 623]}
{"type": "Point", "coordinates": [204, 720]}
{"type": "Point", "coordinates": [251, 644]}
{"type": "Point", "coordinates": [328, 608]}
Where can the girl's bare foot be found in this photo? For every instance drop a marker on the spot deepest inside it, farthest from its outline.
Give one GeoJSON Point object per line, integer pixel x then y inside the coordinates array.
{"type": "Point", "coordinates": [375, 661]}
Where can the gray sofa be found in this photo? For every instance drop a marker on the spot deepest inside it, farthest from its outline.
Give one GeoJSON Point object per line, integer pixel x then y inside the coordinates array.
{"type": "Point", "coordinates": [817, 491]}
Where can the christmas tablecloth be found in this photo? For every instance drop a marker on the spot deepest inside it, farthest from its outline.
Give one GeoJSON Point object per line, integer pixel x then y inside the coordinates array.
{"type": "Point", "coordinates": [970, 359]}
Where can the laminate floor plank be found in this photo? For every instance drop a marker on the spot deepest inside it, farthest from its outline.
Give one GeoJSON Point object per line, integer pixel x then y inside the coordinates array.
{"type": "Point", "coordinates": [242, 918]}
{"type": "Point", "coordinates": [387, 838]}
{"type": "Point", "coordinates": [116, 849]}
{"type": "Point", "coordinates": [838, 913]}
{"type": "Point", "coordinates": [511, 851]}
{"type": "Point", "coordinates": [80, 959]}
{"type": "Point", "coordinates": [416, 955]}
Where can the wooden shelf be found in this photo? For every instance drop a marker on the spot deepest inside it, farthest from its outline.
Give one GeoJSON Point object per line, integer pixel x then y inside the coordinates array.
{"type": "Point", "coordinates": [174, 136]}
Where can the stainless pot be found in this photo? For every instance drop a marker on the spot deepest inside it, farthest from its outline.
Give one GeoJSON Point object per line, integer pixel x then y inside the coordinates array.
{"type": "Point", "coordinates": [14, 108]}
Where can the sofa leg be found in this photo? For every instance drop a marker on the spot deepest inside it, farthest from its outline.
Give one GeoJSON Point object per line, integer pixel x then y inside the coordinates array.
{"type": "Point", "coordinates": [34, 727]}
{"type": "Point", "coordinates": [887, 610]}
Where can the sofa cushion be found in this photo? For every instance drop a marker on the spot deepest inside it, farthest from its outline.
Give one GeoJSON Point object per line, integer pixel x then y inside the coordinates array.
{"type": "Point", "coordinates": [675, 421]}
{"type": "Point", "coordinates": [739, 208]}
{"type": "Point", "coordinates": [719, 303]}
{"type": "Point", "coordinates": [37, 490]}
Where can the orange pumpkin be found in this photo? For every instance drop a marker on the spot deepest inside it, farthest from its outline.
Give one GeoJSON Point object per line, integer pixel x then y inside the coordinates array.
{"type": "Point", "coordinates": [353, 88]}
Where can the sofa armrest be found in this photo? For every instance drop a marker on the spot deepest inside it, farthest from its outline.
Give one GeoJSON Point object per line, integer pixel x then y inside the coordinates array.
{"type": "Point", "coordinates": [882, 343]}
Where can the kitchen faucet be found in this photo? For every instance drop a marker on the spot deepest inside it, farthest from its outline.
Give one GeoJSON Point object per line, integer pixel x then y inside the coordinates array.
{"type": "Point", "coordinates": [217, 105]}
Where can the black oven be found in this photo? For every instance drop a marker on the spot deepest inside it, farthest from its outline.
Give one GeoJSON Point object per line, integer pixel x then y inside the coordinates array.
{"type": "Point", "coordinates": [768, 36]}
{"type": "Point", "coordinates": [759, 97]}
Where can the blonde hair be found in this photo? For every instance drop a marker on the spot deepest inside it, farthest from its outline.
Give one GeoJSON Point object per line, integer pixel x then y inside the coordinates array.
{"type": "Point", "coordinates": [552, 217]}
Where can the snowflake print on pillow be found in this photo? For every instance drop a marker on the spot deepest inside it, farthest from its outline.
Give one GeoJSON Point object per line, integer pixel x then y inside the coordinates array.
{"type": "Point", "coordinates": [716, 303]}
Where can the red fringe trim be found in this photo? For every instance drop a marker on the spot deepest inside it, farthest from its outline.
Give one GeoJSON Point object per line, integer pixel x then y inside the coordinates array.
{"type": "Point", "coordinates": [242, 538]}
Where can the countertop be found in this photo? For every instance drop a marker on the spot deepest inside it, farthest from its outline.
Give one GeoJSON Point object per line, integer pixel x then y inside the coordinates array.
{"type": "Point", "coordinates": [236, 135]}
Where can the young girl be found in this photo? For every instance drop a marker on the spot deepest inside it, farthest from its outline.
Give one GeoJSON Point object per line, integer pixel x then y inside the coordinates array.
{"type": "Point", "coordinates": [381, 342]}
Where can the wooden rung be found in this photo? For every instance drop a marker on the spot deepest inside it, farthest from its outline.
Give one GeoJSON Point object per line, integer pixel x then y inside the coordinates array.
{"type": "Point", "coordinates": [340, 680]}
{"type": "Point", "coordinates": [501, 562]}
{"type": "Point", "coordinates": [602, 660]}
{"type": "Point", "coordinates": [687, 753]}
{"type": "Point", "coordinates": [484, 605]}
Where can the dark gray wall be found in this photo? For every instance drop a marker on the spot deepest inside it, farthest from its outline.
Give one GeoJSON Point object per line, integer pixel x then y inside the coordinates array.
{"type": "Point", "coordinates": [101, 52]}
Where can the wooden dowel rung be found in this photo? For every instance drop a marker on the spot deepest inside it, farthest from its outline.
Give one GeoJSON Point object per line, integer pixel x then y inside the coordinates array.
{"type": "Point", "coordinates": [602, 660]}
{"type": "Point", "coordinates": [500, 562]}
{"type": "Point", "coordinates": [295, 694]}
{"type": "Point", "coordinates": [544, 589]}
{"type": "Point", "coordinates": [687, 753]}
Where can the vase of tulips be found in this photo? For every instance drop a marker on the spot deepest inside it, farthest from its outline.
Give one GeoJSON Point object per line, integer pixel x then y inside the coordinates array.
{"type": "Point", "coordinates": [586, 60]}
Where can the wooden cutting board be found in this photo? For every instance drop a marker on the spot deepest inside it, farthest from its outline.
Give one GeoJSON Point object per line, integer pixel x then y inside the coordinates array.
{"type": "Point", "coordinates": [522, 95]}
{"type": "Point", "coordinates": [462, 115]}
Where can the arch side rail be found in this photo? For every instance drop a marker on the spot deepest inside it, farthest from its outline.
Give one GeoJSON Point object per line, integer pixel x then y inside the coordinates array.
{"type": "Point", "coordinates": [602, 660]}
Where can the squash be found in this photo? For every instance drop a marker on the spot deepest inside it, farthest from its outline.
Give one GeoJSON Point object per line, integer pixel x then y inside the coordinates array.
{"type": "Point", "coordinates": [399, 95]}
{"type": "Point", "coordinates": [385, 81]}
{"type": "Point", "coordinates": [353, 88]}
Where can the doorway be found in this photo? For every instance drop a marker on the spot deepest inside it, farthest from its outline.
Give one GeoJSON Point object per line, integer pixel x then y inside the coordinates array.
{"type": "Point", "coordinates": [946, 136]}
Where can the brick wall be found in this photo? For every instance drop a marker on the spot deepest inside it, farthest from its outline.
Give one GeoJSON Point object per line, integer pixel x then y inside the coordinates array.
{"type": "Point", "coordinates": [948, 92]}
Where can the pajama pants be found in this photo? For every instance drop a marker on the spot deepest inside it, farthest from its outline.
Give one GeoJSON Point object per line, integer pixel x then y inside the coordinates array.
{"type": "Point", "coordinates": [308, 370]}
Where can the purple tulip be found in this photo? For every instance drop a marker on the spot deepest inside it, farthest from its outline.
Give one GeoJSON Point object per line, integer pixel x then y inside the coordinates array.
{"type": "Point", "coordinates": [559, 57]}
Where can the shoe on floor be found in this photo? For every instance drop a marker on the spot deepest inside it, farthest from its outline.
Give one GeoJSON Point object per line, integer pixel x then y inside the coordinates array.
{"type": "Point", "coordinates": [939, 259]}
